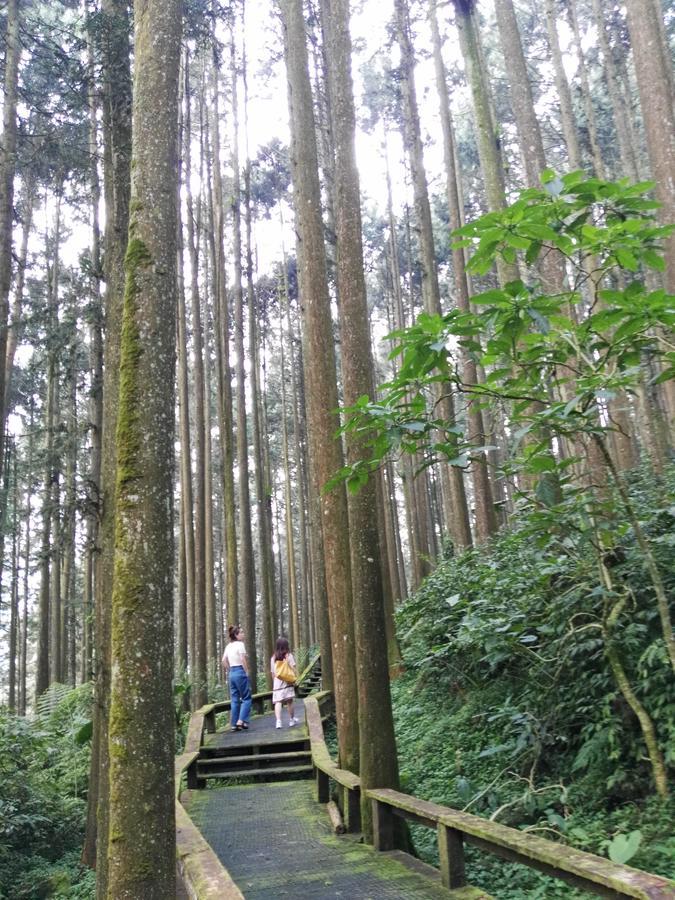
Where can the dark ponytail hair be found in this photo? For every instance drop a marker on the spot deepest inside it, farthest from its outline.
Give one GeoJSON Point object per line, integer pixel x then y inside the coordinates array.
{"type": "Point", "coordinates": [283, 648]}
{"type": "Point", "coordinates": [233, 631]}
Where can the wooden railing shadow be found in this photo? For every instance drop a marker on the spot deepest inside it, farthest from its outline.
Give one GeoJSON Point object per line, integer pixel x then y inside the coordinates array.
{"type": "Point", "coordinates": [454, 829]}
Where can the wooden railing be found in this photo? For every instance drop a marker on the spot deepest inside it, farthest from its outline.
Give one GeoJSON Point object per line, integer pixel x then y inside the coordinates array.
{"type": "Point", "coordinates": [454, 829]}
{"type": "Point", "coordinates": [317, 707]}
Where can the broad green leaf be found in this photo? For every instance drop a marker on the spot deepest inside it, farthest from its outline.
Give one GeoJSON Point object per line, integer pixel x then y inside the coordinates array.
{"type": "Point", "coordinates": [624, 846]}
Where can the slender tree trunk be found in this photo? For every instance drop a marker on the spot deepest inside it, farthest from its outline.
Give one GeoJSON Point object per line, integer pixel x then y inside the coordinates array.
{"type": "Point", "coordinates": [655, 79]}
{"type": "Point", "coordinates": [224, 380]}
{"type": "Point", "coordinates": [587, 96]}
{"type": "Point", "coordinates": [486, 522]}
{"type": "Point", "coordinates": [320, 378]}
{"type": "Point", "coordinates": [567, 119]}
{"type": "Point", "coordinates": [377, 741]}
{"type": "Point", "coordinates": [247, 592]}
{"type": "Point", "coordinates": [454, 496]}
{"type": "Point", "coordinates": [13, 644]}
{"type": "Point", "coordinates": [7, 170]}
{"type": "Point", "coordinates": [141, 841]}
{"type": "Point", "coordinates": [199, 498]}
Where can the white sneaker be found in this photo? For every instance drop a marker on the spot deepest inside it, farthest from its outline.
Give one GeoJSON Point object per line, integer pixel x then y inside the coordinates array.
{"type": "Point", "coordinates": [278, 725]}
{"type": "Point", "coordinates": [292, 722]}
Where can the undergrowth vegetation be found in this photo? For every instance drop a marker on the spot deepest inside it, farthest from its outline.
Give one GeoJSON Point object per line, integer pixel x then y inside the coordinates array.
{"type": "Point", "coordinates": [509, 706]}
{"type": "Point", "coordinates": [44, 766]}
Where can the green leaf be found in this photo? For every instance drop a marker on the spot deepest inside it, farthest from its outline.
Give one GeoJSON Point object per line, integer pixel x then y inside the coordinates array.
{"type": "Point", "coordinates": [654, 260]}
{"type": "Point", "coordinates": [624, 846]}
{"type": "Point", "coordinates": [84, 733]}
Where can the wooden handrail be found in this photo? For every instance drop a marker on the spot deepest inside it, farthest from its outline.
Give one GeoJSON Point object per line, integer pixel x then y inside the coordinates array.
{"type": "Point", "coordinates": [325, 768]}
{"type": "Point", "coordinates": [592, 873]}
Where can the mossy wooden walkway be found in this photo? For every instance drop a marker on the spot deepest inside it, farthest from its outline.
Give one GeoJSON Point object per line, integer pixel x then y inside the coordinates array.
{"type": "Point", "coordinates": [276, 840]}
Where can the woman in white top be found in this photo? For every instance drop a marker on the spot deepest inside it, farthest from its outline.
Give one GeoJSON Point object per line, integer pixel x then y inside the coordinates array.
{"type": "Point", "coordinates": [283, 693]}
{"type": "Point", "coordinates": [235, 663]}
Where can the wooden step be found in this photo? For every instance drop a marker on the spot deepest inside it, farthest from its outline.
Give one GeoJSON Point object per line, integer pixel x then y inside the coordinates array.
{"type": "Point", "coordinates": [277, 773]}
{"type": "Point", "coordinates": [257, 761]}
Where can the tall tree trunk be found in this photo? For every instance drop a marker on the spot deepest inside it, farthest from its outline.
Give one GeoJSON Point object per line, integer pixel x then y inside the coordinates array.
{"type": "Point", "coordinates": [247, 593]}
{"type": "Point", "coordinates": [13, 644]}
{"type": "Point", "coordinates": [7, 170]}
{"type": "Point", "coordinates": [141, 841]}
{"type": "Point", "coordinates": [377, 741]}
{"type": "Point", "coordinates": [655, 78]}
{"type": "Point", "coordinates": [224, 379]}
{"type": "Point", "coordinates": [567, 120]}
{"type": "Point", "coordinates": [15, 326]}
{"type": "Point", "coordinates": [620, 112]}
{"type": "Point", "coordinates": [199, 498]}
{"type": "Point", "coordinates": [587, 96]}
{"type": "Point", "coordinates": [486, 521]}
{"type": "Point", "coordinates": [115, 24]}
{"type": "Point", "coordinates": [454, 496]}
{"type": "Point", "coordinates": [320, 378]}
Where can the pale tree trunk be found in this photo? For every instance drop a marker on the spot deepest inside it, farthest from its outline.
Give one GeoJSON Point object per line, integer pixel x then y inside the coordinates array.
{"type": "Point", "coordinates": [454, 496]}
{"type": "Point", "coordinates": [115, 24]}
{"type": "Point", "coordinates": [293, 615]}
{"type": "Point", "coordinates": [199, 677]}
{"type": "Point", "coordinates": [23, 638]}
{"type": "Point", "coordinates": [247, 594]}
{"type": "Point", "coordinates": [654, 78]}
{"type": "Point", "coordinates": [567, 120]}
{"type": "Point", "coordinates": [7, 170]}
{"type": "Point", "coordinates": [224, 373]}
{"type": "Point", "coordinates": [594, 141]}
{"type": "Point", "coordinates": [69, 524]}
{"type": "Point", "coordinates": [486, 521]}
{"type": "Point", "coordinates": [15, 326]}
{"type": "Point", "coordinates": [620, 112]}
{"type": "Point", "coordinates": [186, 616]}
{"type": "Point", "coordinates": [13, 644]}
{"type": "Point", "coordinates": [141, 841]}
{"type": "Point", "coordinates": [321, 378]}
{"type": "Point", "coordinates": [262, 489]}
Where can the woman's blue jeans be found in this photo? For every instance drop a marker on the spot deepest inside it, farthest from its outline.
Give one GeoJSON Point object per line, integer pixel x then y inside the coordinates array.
{"type": "Point", "coordinates": [240, 695]}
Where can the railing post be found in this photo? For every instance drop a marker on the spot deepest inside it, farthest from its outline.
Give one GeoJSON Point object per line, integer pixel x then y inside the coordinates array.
{"type": "Point", "coordinates": [351, 808]}
{"type": "Point", "coordinates": [383, 826]}
{"type": "Point", "coordinates": [451, 853]}
{"type": "Point", "coordinates": [322, 787]}
{"type": "Point", "coordinates": [192, 782]}
{"type": "Point", "coordinates": [210, 722]}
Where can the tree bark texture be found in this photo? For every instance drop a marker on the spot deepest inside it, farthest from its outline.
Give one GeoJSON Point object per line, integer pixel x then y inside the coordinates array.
{"type": "Point", "coordinates": [141, 840]}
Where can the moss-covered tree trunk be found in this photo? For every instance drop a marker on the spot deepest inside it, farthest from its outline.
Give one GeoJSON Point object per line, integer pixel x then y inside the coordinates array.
{"type": "Point", "coordinates": [320, 378]}
{"type": "Point", "coordinates": [141, 838]}
{"type": "Point", "coordinates": [116, 102]}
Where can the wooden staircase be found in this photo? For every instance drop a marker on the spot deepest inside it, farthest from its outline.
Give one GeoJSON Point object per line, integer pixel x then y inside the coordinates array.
{"type": "Point", "coordinates": [310, 680]}
{"type": "Point", "coordinates": [281, 760]}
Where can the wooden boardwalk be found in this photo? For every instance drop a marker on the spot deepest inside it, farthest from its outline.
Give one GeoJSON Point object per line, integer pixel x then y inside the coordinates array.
{"type": "Point", "coordinates": [276, 840]}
